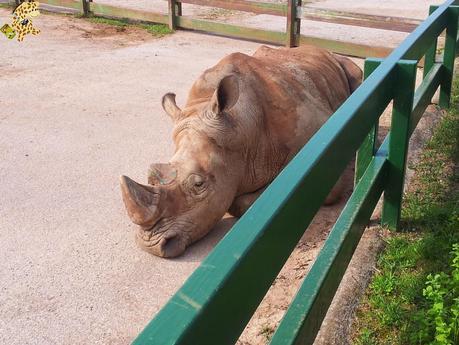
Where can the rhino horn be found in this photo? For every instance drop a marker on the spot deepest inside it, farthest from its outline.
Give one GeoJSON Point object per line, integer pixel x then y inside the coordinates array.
{"type": "Point", "coordinates": [141, 201]}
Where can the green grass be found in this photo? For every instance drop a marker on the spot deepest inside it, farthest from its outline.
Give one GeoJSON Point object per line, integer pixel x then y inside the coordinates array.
{"type": "Point", "coordinates": [106, 21]}
{"type": "Point", "coordinates": [267, 332]}
{"type": "Point", "coordinates": [157, 30]}
{"type": "Point", "coordinates": [394, 309]}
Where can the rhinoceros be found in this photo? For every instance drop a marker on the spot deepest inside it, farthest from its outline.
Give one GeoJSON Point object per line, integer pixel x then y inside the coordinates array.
{"type": "Point", "coordinates": [244, 120]}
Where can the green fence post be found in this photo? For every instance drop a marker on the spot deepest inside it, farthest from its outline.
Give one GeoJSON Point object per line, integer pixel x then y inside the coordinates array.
{"type": "Point", "coordinates": [398, 142]}
{"type": "Point", "coordinates": [432, 51]}
{"type": "Point", "coordinates": [368, 147]}
{"type": "Point", "coordinates": [172, 11]}
{"type": "Point", "coordinates": [449, 56]}
{"type": "Point", "coordinates": [293, 23]}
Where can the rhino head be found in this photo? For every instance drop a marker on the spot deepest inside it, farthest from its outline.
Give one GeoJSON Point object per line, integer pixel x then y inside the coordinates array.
{"type": "Point", "coordinates": [186, 197]}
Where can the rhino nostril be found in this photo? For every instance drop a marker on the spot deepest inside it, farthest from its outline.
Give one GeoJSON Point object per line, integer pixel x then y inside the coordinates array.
{"type": "Point", "coordinates": [171, 245]}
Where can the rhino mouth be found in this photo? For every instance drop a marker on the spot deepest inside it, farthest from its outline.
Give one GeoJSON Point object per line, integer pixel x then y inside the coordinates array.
{"type": "Point", "coordinates": [166, 243]}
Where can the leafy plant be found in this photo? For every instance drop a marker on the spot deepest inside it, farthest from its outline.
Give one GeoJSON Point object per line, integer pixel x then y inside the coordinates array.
{"type": "Point", "coordinates": [442, 294]}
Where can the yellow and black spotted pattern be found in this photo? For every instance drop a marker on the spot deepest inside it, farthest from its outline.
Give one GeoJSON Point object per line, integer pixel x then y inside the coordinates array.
{"type": "Point", "coordinates": [22, 20]}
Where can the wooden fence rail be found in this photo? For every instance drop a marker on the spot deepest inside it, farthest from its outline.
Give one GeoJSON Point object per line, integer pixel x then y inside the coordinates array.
{"type": "Point", "coordinates": [274, 9]}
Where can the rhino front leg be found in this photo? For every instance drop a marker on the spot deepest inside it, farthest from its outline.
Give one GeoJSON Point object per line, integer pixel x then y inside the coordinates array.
{"type": "Point", "coordinates": [242, 203]}
{"type": "Point", "coordinates": [336, 193]}
{"type": "Point", "coordinates": [342, 186]}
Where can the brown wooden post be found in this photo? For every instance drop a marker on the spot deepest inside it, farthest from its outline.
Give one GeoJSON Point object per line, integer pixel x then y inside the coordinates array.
{"type": "Point", "coordinates": [178, 6]}
{"type": "Point", "coordinates": [173, 10]}
{"type": "Point", "coordinates": [15, 4]}
{"type": "Point", "coordinates": [293, 23]}
{"type": "Point", "coordinates": [85, 7]}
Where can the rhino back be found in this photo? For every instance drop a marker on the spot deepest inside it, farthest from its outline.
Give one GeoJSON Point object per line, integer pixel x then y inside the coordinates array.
{"type": "Point", "coordinates": [282, 78]}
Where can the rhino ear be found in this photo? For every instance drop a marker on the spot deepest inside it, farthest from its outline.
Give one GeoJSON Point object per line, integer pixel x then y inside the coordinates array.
{"type": "Point", "coordinates": [170, 107]}
{"type": "Point", "coordinates": [226, 95]}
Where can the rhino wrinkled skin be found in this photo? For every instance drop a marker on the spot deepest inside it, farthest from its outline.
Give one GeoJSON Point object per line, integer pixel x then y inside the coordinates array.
{"type": "Point", "coordinates": [244, 120]}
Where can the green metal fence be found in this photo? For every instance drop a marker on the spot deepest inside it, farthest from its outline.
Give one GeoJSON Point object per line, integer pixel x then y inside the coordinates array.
{"type": "Point", "coordinates": [216, 302]}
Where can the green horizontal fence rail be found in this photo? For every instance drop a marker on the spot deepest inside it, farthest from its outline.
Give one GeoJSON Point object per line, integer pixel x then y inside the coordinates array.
{"type": "Point", "coordinates": [219, 298]}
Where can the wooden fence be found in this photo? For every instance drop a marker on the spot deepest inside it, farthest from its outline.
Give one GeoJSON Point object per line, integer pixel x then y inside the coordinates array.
{"type": "Point", "coordinates": [291, 10]}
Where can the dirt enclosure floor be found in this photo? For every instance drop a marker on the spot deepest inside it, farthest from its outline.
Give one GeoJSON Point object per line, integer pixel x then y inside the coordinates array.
{"type": "Point", "coordinates": [79, 106]}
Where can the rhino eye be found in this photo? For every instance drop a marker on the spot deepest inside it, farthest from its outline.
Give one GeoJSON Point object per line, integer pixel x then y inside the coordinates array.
{"type": "Point", "coordinates": [196, 183]}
